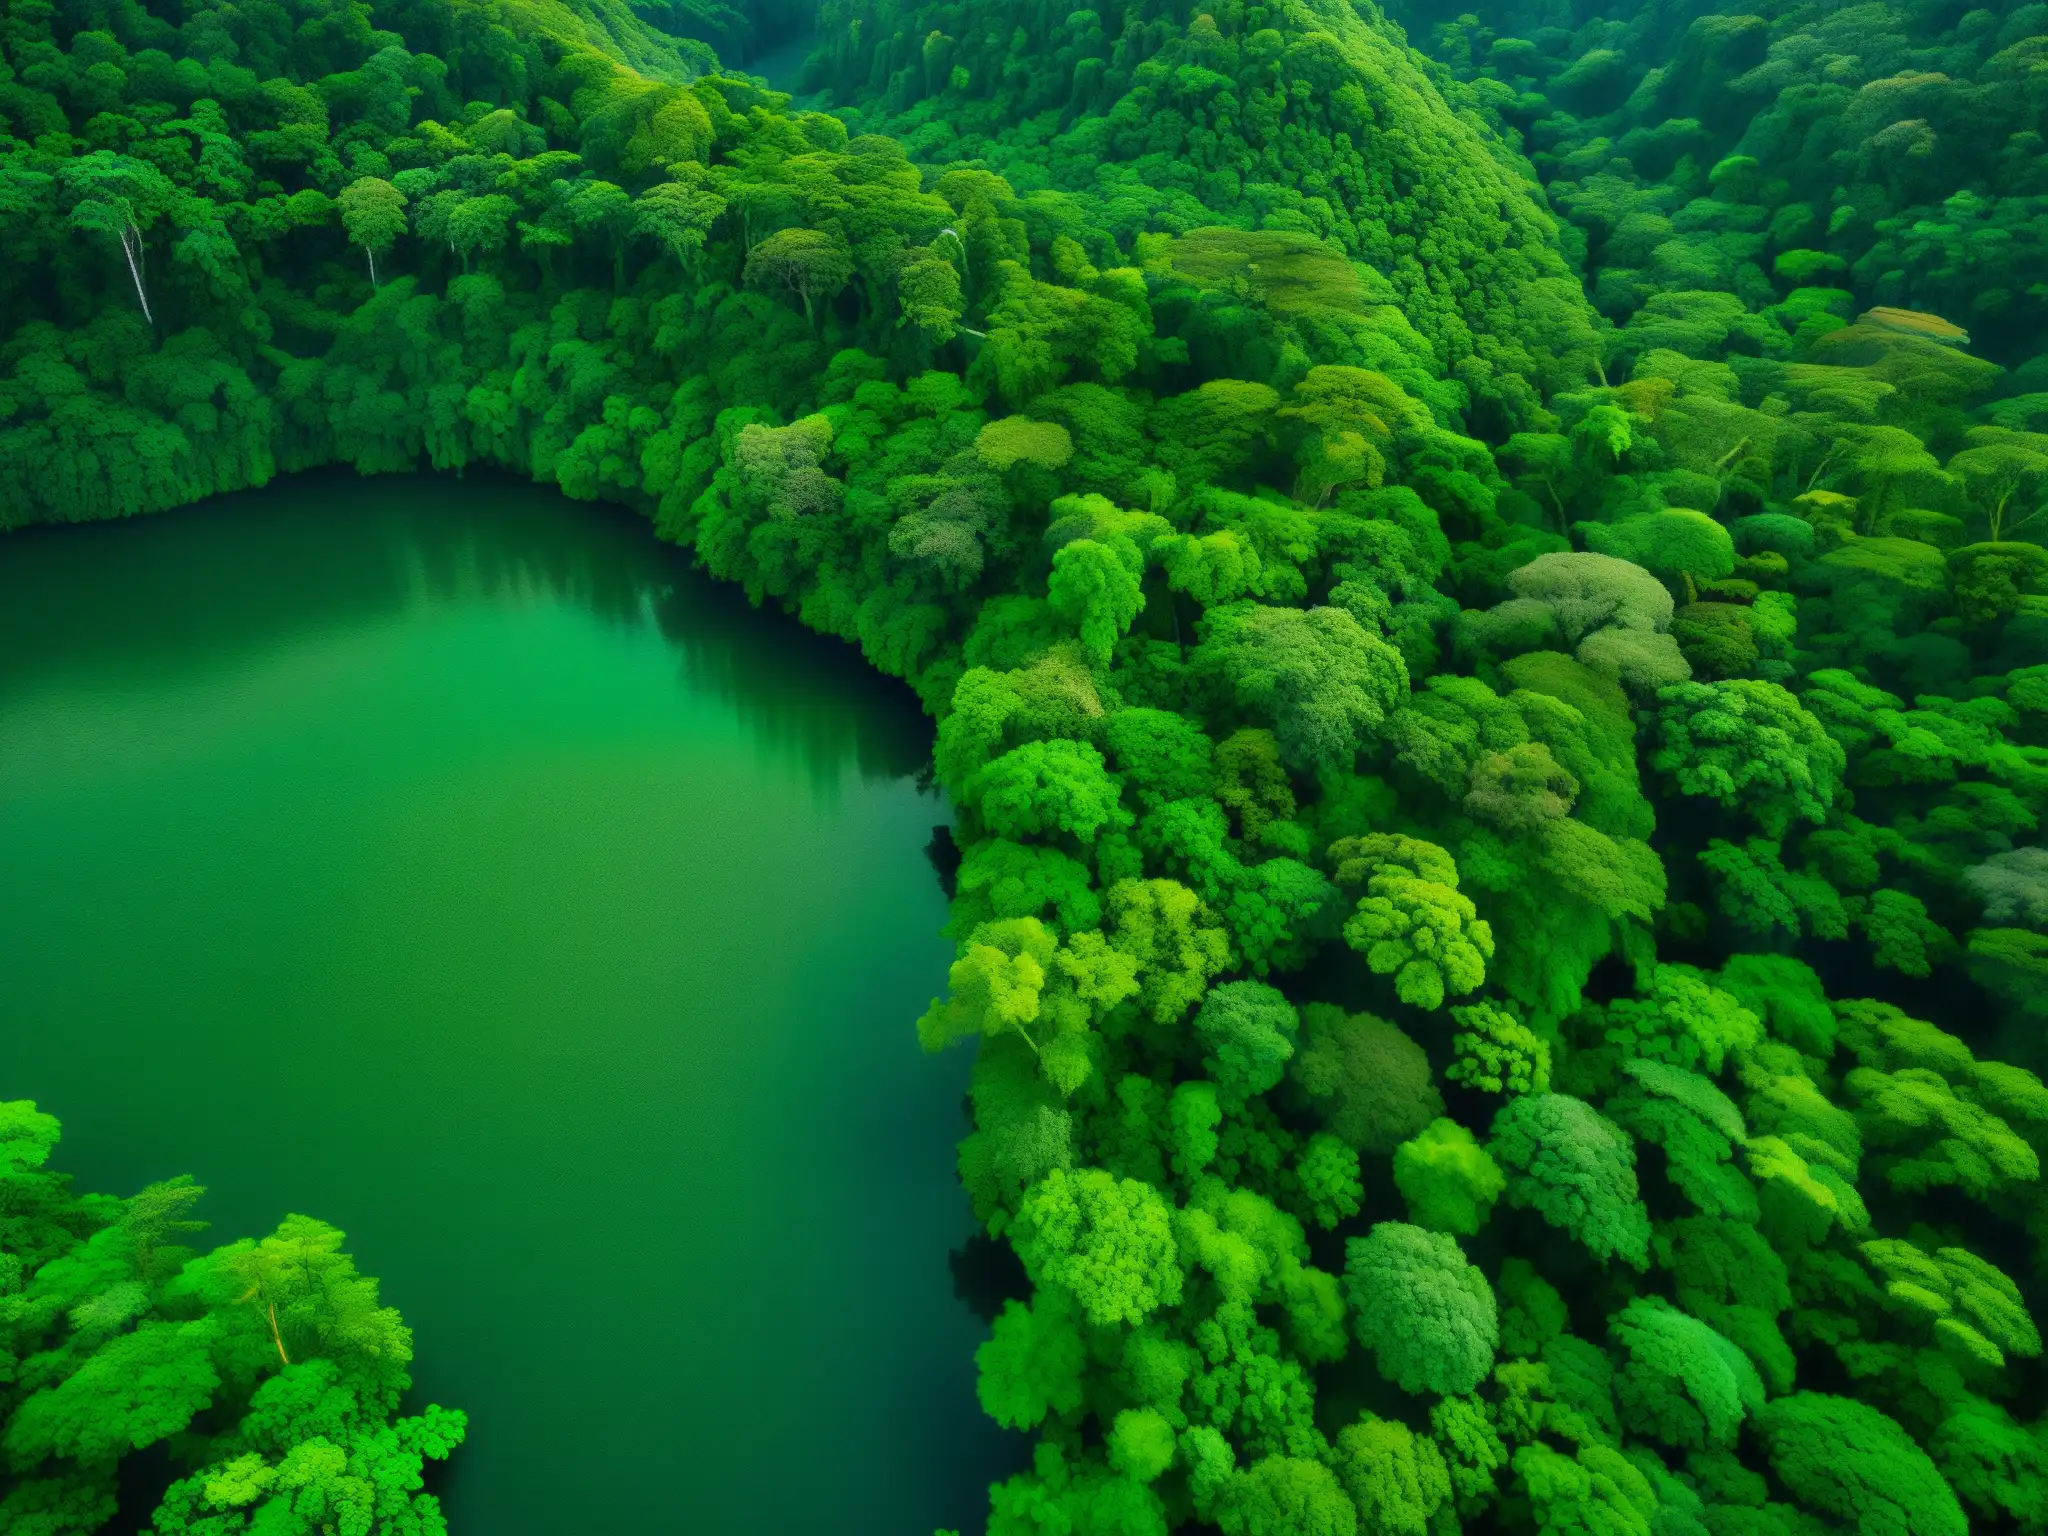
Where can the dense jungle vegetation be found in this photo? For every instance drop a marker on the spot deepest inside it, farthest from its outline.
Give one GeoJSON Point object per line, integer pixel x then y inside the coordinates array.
{"type": "Point", "coordinates": [1489, 634]}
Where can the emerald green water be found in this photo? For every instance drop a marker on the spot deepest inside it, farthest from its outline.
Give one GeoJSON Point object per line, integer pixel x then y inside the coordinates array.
{"type": "Point", "coordinates": [448, 861]}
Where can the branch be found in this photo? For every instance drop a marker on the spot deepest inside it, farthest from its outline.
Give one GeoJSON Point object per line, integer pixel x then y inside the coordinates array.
{"type": "Point", "coordinates": [277, 1337]}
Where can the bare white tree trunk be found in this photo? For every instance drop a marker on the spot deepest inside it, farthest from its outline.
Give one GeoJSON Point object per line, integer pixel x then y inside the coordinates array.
{"type": "Point", "coordinates": [131, 247]}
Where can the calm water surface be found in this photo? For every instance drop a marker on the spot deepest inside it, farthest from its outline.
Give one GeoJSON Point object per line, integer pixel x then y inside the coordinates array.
{"type": "Point", "coordinates": [447, 861]}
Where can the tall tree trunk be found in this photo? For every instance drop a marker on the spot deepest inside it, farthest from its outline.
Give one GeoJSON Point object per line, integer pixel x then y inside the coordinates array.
{"type": "Point", "coordinates": [131, 247]}
{"type": "Point", "coordinates": [276, 1337]}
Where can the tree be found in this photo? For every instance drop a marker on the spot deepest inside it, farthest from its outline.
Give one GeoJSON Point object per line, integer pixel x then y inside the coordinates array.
{"type": "Point", "coordinates": [1413, 923]}
{"type": "Point", "coordinates": [1588, 724]}
{"type": "Point", "coordinates": [1589, 592]}
{"type": "Point", "coordinates": [117, 198]}
{"type": "Point", "coordinates": [1173, 937]}
{"type": "Point", "coordinates": [1520, 790]}
{"type": "Point", "coordinates": [1141, 1443]}
{"type": "Point", "coordinates": [809, 263]}
{"type": "Point", "coordinates": [1749, 746]}
{"type": "Point", "coordinates": [480, 224]}
{"type": "Point", "coordinates": [132, 1392]}
{"type": "Point", "coordinates": [1682, 1383]}
{"type": "Point", "coordinates": [782, 469]}
{"type": "Point", "coordinates": [1045, 445]}
{"type": "Point", "coordinates": [1248, 1033]}
{"type": "Point", "coordinates": [305, 1292]}
{"type": "Point", "coordinates": [1427, 1314]}
{"type": "Point", "coordinates": [1787, 995]}
{"type": "Point", "coordinates": [1684, 1019]}
{"type": "Point", "coordinates": [1508, 629]}
{"type": "Point", "coordinates": [1696, 323]}
{"type": "Point", "coordinates": [1999, 466]}
{"type": "Point", "coordinates": [1447, 1179]}
{"type": "Point", "coordinates": [930, 292]}
{"type": "Point", "coordinates": [1160, 755]}
{"type": "Point", "coordinates": [1757, 893]}
{"type": "Point", "coordinates": [311, 1450]}
{"type": "Point", "coordinates": [1728, 1276]}
{"type": "Point", "coordinates": [1096, 588]}
{"type": "Point", "coordinates": [1022, 1129]}
{"type": "Point", "coordinates": [1046, 788]}
{"type": "Point", "coordinates": [999, 879]}
{"type": "Point", "coordinates": [1471, 1448]}
{"type": "Point", "coordinates": [1496, 1052]}
{"type": "Point", "coordinates": [1369, 1081]}
{"type": "Point", "coordinates": [1804, 268]}
{"type": "Point", "coordinates": [1441, 731]}
{"type": "Point", "coordinates": [1252, 784]}
{"type": "Point", "coordinates": [678, 216]}
{"type": "Point", "coordinates": [1326, 684]}
{"type": "Point", "coordinates": [1285, 1496]}
{"type": "Point", "coordinates": [1598, 1489]}
{"type": "Point", "coordinates": [1848, 1462]}
{"type": "Point", "coordinates": [1994, 1465]}
{"type": "Point", "coordinates": [1331, 1190]}
{"type": "Point", "coordinates": [1991, 580]}
{"type": "Point", "coordinates": [994, 987]}
{"type": "Point", "coordinates": [1032, 1364]}
{"type": "Point", "coordinates": [1214, 433]}
{"type": "Point", "coordinates": [1643, 661]}
{"type": "Point", "coordinates": [136, 1341]}
{"type": "Point", "coordinates": [1083, 1495]}
{"type": "Point", "coordinates": [1698, 1128]}
{"type": "Point", "coordinates": [2013, 887]}
{"type": "Point", "coordinates": [1574, 1168]}
{"type": "Point", "coordinates": [1351, 417]}
{"type": "Point", "coordinates": [1397, 1478]}
{"type": "Point", "coordinates": [1902, 936]}
{"type": "Point", "coordinates": [604, 211]}
{"type": "Point", "coordinates": [1926, 1136]}
{"type": "Point", "coordinates": [1973, 1309]}
{"type": "Point", "coordinates": [1717, 640]}
{"type": "Point", "coordinates": [373, 214]}
{"type": "Point", "coordinates": [1885, 461]}
{"type": "Point", "coordinates": [1680, 545]}
{"type": "Point", "coordinates": [1546, 461]}
{"type": "Point", "coordinates": [2013, 964]}
{"type": "Point", "coordinates": [1012, 978]}
{"type": "Point", "coordinates": [1106, 1240]}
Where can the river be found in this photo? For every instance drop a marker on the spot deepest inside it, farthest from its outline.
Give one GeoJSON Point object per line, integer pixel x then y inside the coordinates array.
{"type": "Point", "coordinates": [448, 861]}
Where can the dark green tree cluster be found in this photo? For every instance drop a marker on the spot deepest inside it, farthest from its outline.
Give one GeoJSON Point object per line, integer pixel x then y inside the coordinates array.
{"type": "Point", "coordinates": [266, 1369]}
{"type": "Point", "coordinates": [1783, 153]}
{"type": "Point", "coordinates": [1294, 116]}
{"type": "Point", "coordinates": [1503, 929]}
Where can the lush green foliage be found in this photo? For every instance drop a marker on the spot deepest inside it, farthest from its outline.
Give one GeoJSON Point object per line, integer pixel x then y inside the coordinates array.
{"type": "Point", "coordinates": [267, 1368]}
{"type": "Point", "coordinates": [1499, 830]}
{"type": "Point", "coordinates": [1294, 116]}
{"type": "Point", "coordinates": [1784, 156]}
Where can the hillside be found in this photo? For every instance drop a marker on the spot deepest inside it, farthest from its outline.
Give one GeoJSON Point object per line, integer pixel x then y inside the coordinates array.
{"type": "Point", "coordinates": [1894, 152]}
{"type": "Point", "coordinates": [1500, 908]}
{"type": "Point", "coordinates": [1299, 116]}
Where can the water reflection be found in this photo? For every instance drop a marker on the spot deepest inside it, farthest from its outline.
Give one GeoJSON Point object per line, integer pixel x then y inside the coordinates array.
{"type": "Point", "coordinates": [211, 585]}
{"type": "Point", "coordinates": [453, 862]}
